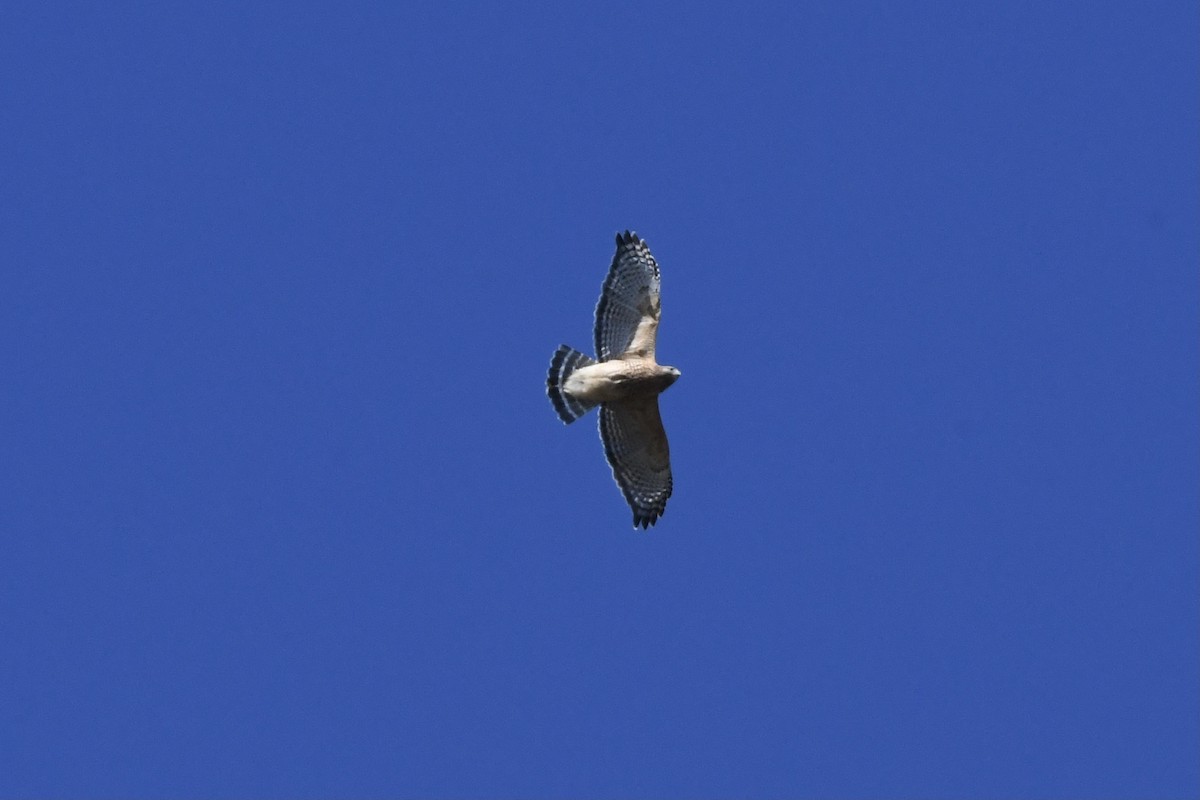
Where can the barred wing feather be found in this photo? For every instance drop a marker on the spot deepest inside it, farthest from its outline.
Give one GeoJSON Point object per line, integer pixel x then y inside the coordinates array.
{"type": "Point", "coordinates": [629, 308]}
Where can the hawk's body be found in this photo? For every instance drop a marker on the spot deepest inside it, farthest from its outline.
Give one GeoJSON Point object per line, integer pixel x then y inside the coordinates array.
{"type": "Point", "coordinates": [614, 381]}
{"type": "Point", "coordinates": [625, 382]}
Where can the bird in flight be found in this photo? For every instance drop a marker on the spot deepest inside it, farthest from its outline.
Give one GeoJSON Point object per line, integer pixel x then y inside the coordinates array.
{"type": "Point", "coordinates": [624, 380]}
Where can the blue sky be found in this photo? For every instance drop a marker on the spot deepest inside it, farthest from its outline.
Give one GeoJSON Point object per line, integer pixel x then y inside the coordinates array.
{"type": "Point", "coordinates": [286, 511]}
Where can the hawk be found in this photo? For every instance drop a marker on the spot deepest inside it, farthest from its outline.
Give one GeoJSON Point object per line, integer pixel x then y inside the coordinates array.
{"type": "Point", "coordinates": [624, 380]}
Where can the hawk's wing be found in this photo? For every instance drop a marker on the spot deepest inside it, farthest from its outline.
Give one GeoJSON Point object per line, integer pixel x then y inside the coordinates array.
{"type": "Point", "coordinates": [628, 311]}
{"type": "Point", "coordinates": [636, 446]}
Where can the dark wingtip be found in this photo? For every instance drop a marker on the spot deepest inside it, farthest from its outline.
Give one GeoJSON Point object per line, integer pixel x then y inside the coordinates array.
{"type": "Point", "coordinates": [644, 521]}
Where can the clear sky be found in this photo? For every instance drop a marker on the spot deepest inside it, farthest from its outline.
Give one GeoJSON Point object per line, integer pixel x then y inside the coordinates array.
{"type": "Point", "coordinates": [285, 511]}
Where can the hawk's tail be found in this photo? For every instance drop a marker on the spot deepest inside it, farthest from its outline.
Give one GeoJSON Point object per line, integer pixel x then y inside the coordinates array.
{"type": "Point", "coordinates": [566, 360]}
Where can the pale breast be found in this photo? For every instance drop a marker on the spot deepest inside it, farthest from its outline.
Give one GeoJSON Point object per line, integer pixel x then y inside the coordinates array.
{"type": "Point", "coordinates": [611, 381]}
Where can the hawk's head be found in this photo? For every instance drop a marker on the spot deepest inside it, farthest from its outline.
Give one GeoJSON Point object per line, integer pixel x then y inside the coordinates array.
{"type": "Point", "coordinates": [668, 376]}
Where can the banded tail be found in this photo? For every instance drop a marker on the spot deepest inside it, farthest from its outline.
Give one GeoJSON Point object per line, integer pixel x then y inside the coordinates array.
{"type": "Point", "coordinates": [566, 360]}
